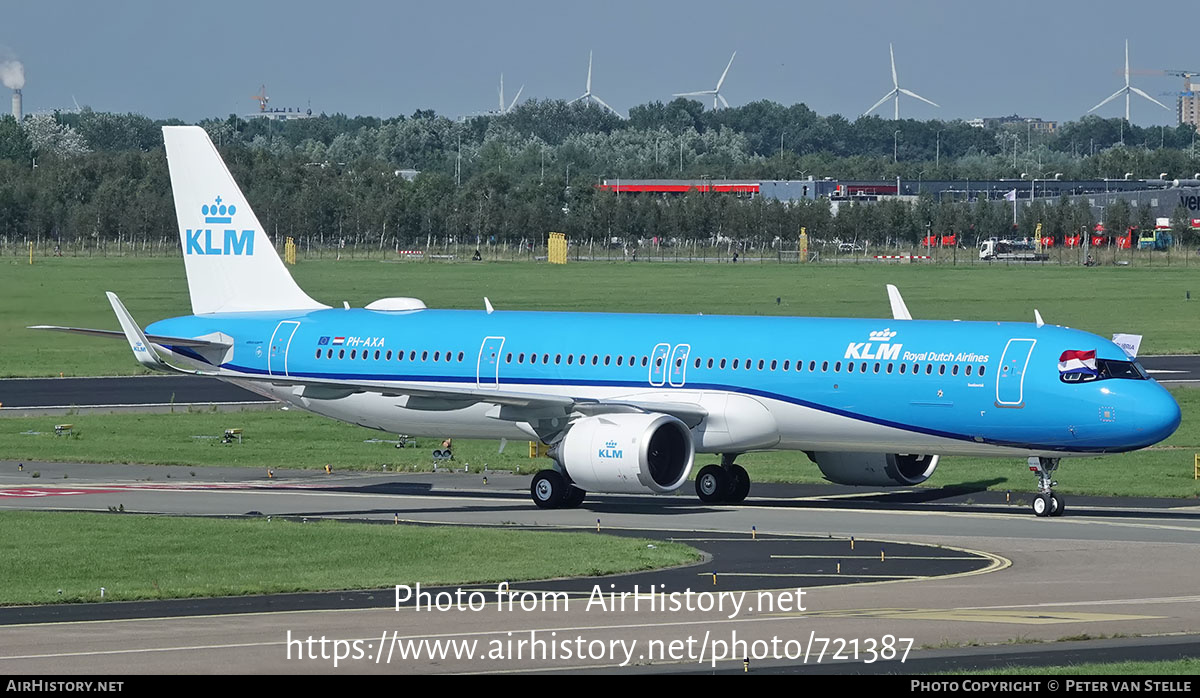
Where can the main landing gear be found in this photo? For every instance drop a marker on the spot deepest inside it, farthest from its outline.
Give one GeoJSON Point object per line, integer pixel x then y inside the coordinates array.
{"type": "Point", "coordinates": [550, 490]}
{"type": "Point", "coordinates": [1046, 502]}
{"type": "Point", "coordinates": [727, 483]}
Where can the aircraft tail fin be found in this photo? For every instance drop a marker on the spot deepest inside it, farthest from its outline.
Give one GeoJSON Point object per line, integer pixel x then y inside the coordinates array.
{"type": "Point", "coordinates": [231, 264]}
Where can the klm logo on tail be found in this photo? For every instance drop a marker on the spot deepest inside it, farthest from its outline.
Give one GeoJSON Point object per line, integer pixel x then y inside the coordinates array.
{"type": "Point", "coordinates": [228, 241]}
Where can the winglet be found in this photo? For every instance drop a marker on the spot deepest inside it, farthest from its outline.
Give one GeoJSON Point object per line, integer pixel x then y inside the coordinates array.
{"type": "Point", "coordinates": [488, 305]}
{"type": "Point", "coordinates": [143, 350]}
{"type": "Point", "coordinates": [899, 309]}
{"type": "Point", "coordinates": [1038, 317]}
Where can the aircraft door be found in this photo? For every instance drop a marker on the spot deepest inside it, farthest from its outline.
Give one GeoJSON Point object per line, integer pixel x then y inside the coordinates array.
{"type": "Point", "coordinates": [280, 341]}
{"type": "Point", "coordinates": [658, 363]}
{"type": "Point", "coordinates": [1010, 381]}
{"type": "Point", "coordinates": [678, 369]}
{"type": "Point", "coordinates": [487, 369]}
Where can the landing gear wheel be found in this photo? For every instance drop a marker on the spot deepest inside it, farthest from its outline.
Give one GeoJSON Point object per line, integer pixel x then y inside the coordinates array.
{"type": "Point", "coordinates": [739, 484]}
{"type": "Point", "coordinates": [1057, 505]}
{"type": "Point", "coordinates": [548, 489]}
{"type": "Point", "coordinates": [1041, 504]}
{"type": "Point", "coordinates": [573, 497]}
{"type": "Point", "coordinates": [712, 484]}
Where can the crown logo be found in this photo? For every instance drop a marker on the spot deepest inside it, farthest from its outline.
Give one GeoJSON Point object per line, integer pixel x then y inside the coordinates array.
{"type": "Point", "coordinates": [218, 212]}
{"type": "Point", "coordinates": [611, 444]}
{"type": "Point", "coordinates": [884, 334]}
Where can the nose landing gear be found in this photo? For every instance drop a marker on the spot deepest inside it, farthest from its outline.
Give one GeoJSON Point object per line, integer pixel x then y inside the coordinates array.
{"type": "Point", "coordinates": [1047, 502]}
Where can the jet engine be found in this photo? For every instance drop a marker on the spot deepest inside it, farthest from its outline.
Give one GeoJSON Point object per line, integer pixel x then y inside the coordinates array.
{"type": "Point", "coordinates": [629, 453]}
{"type": "Point", "coordinates": [877, 469]}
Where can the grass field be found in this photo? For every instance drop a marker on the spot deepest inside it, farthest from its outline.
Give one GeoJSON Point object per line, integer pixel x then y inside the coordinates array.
{"type": "Point", "coordinates": [70, 291]}
{"type": "Point", "coordinates": [151, 557]}
{"type": "Point", "coordinates": [278, 439]}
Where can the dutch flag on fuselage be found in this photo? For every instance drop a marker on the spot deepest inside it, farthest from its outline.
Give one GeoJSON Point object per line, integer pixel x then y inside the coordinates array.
{"type": "Point", "coordinates": [1082, 362]}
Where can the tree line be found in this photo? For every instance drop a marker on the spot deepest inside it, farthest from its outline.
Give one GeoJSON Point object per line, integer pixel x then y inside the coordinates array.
{"type": "Point", "coordinates": [508, 178]}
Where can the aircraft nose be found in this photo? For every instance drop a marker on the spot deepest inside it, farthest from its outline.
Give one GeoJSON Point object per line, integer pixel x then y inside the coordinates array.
{"type": "Point", "coordinates": [1158, 415]}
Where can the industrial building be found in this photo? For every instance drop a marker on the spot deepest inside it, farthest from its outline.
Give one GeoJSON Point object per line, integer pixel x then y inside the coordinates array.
{"type": "Point", "coordinates": [1161, 196]}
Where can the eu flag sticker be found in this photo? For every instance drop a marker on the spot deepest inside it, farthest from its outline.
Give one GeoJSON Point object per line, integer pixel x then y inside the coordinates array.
{"type": "Point", "coordinates": [323, 341]}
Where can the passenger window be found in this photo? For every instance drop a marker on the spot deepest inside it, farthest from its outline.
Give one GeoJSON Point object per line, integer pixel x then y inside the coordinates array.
{"type": "Point", "coordinates": [954, 370]}
{"type": "Point", "coordinates": [710, 363]}
{"type": "Point", "coordinates": [460, 357]}
{"type": "Point", "coordinates": [902, 367]}
{"type": "Point", "coordinates": [376, 354]}
{"type": "Point", "coordinates": [981, 369]}
{"type": "Point", "coordinates": [877, 367]}
{"type": "Point", "coordinates": [928, 369]}
{"type": "Point", "coordinates": [318, 353]}
{"type": "Point", "coordinates": [353, 353]}
{"type": "Point", "coordinates": [521, 358]}
{"type": "Point", "coordinates": [558, 358]}
{"type": "Point", "coordinates": [388, 357]}
{"type": "Point", "coordinates": [595, 359]}
{"type": "Point", "coordinates": [824, 366]}
{"type": "Point", "coordinates": [968, 369]}
{"type": "Point", "coordinates": [341, 353]}
{"type": "Point", "coordinates": [570, 359]}
{"type": "Point", "coordinates": [412, 355]}
{"type": "Point", "coordinates": [607, 359]}
{"type": "Point", "coordinates": [850, 367]}
{"type": "Point", "coordinates": [812, 366]}
{"type": "Point", "coordinates": [837, 367]}
{"type": "Point", "coordinates": [697, 363]}
{"type": "Point", "coordinates": [942, 369]}
{"type": "Point", "coordinates": [364, 355]}
{"type": "Point", "coordinates": [722, 363]}
{"type": "Point", "coordinates": [786, 363]}
{"type": "Point", "coordinates": [644, 361]}
{"type": "Point", "coordinates": [735, 363]}
{"type": "Point", "coordinates": [438, 355]}
{"type": "Point", "coordinates": [329, 353]}
{"type": "Point", "coordinates": [862, 368]}
{"type": "Point", "coordinates": [889, 368]}
{"type": "Point", "coordinates": [425, 355]}
{"type": "Point", "coordinates": [760, 364]}
{"type": "Point", "coordinates": [620, 358]}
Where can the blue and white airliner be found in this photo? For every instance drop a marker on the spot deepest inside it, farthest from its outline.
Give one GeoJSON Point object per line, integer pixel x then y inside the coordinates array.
{"type": "Point", "coordinates": [626, 401]}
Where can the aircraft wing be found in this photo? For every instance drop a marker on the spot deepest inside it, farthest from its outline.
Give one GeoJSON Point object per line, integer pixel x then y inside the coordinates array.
{"type": "Point", "coordinates": [156, 338]}
{"type": "Point", "coordinates": [516, 406]}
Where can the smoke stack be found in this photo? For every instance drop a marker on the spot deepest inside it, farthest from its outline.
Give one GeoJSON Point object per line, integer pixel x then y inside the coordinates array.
{"type": "Point", "coordinates": [17, 105]}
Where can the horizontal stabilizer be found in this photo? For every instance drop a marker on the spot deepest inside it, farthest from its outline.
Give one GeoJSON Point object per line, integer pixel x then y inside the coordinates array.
{"type": "Point", "coordinates": [161, 340]}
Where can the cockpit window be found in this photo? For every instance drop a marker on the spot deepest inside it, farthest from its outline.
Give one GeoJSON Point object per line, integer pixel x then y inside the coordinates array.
{"type": "Point", "coordinates": [1107, 368]}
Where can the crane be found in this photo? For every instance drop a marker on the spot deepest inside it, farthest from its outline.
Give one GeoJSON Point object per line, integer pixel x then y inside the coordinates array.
{"type": "Point", "coordinates": [262, 98]}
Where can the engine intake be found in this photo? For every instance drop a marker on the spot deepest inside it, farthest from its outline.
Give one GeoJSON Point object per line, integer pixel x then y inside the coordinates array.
{"type": "Point", "coordinates": [629, 453]}
{"type": "Point", "coordinates": [877, 469]}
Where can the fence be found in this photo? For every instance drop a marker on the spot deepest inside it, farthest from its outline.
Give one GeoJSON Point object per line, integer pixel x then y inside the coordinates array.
{"type": "Point", "coordinates": [607, 250]}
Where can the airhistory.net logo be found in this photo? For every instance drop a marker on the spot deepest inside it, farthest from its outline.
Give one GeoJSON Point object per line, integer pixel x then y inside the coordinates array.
{"type": "Point", "coordinates": [201, 241]}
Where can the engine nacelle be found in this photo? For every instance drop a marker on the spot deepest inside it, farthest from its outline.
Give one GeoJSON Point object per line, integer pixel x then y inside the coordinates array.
{"type": "Point", "coordinates": [876, 469]}
{"type": "Point", "coordinates": [630, 453]}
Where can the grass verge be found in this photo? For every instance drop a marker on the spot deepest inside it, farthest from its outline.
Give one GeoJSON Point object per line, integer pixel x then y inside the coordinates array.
{"type": "Point", "coordinates": [70, 291]}
{"type": "Point", "coordinates": [150, 557]}
{"type": "Point", "coordinates": [1177, 667]}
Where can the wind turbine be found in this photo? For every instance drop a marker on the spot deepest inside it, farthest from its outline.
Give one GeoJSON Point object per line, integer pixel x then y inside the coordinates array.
{"type": "Point", "coordinates": [716, 91]}
{"type": "Point", "coordinates": [506, 109]}
{"type": "Point", "coordinates": [587, 94]}
{"type": "Point", "coordinates": [1126, 90]}
{"type": "Point", "coordinates": [897, 91]}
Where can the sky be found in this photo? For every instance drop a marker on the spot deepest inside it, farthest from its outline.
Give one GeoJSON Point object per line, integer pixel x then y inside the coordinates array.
{"type": "Point", "coordinates": [1047, 59]}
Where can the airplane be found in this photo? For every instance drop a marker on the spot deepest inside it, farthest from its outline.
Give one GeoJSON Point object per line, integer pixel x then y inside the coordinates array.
{"type": "Point", "coordinates": [625, 402]}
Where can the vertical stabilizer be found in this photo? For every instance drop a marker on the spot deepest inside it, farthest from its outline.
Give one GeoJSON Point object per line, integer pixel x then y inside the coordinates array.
{"type": "Point", "coordinates": [230, 262]}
